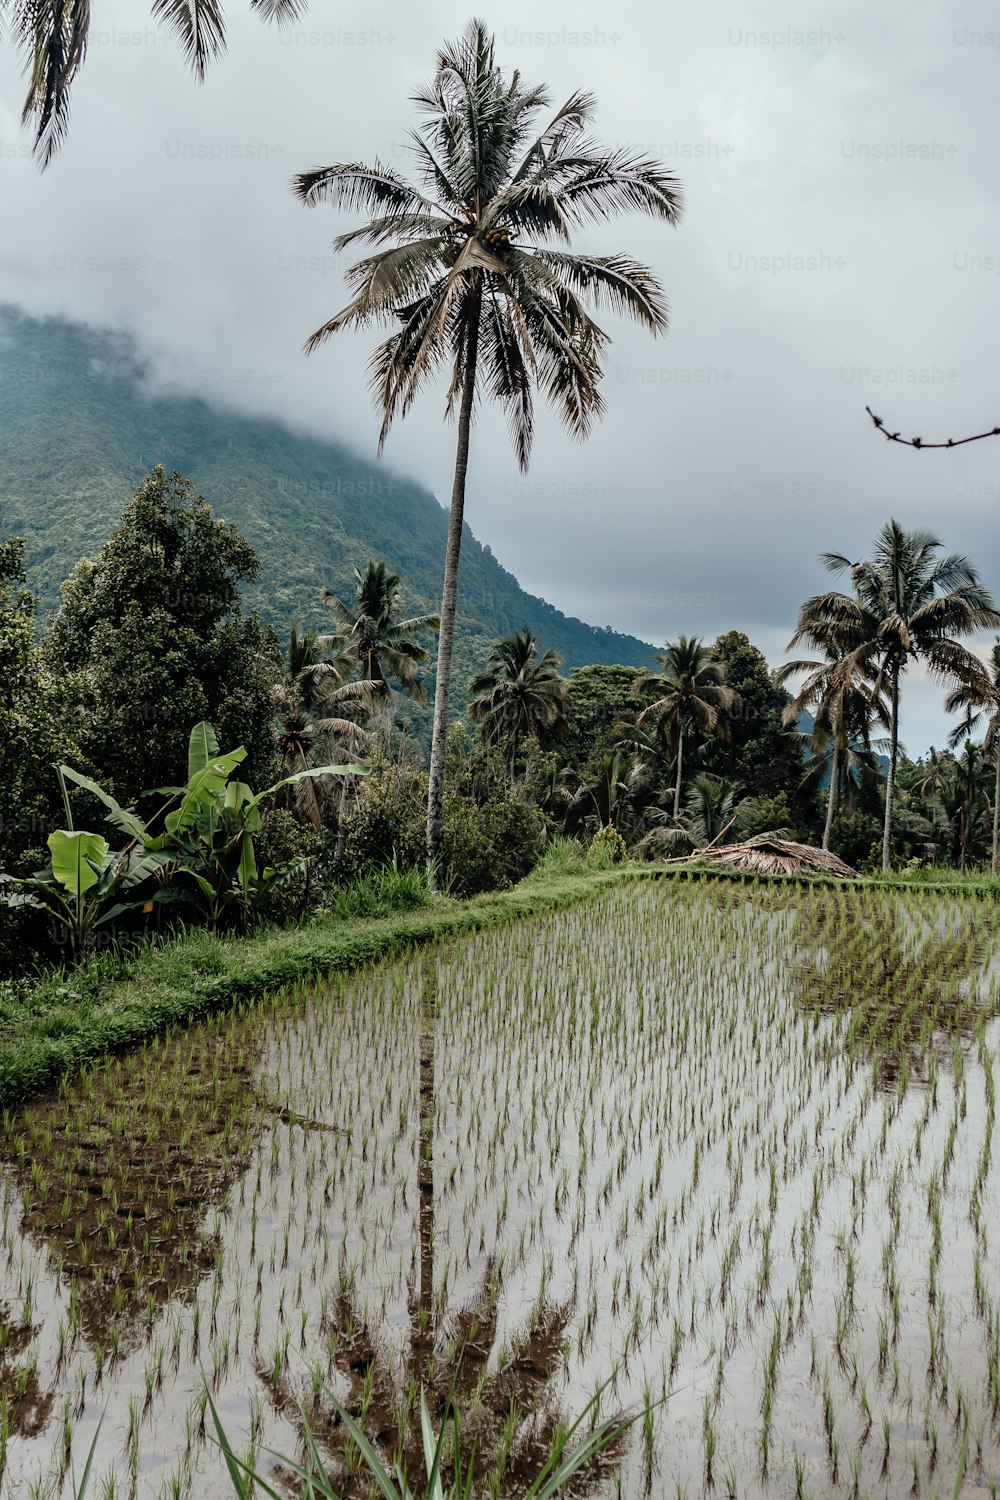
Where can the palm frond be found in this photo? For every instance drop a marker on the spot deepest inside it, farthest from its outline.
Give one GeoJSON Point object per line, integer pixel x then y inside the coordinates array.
{"type": "Point", "coordinates": [199, 26]}
{"type": "Point", "coordinates": [356, 188]}
{"type": "Point", "coordinates": [617, 282]}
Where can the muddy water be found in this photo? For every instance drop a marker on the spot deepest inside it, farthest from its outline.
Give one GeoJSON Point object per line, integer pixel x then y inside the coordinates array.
{"type": "Point", "coordinates": [724, 1151]}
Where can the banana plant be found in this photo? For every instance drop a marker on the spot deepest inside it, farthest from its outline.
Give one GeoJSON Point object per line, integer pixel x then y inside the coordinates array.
{"type": "Point", "coordinates": [198, 850]}
{"type": "Point", "coordinates": [206, 840]}
{"type": "Point", "coordinates": [87, 883]}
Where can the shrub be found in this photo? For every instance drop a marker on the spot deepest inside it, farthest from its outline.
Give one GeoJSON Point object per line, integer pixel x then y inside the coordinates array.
{"type": "Point", "coordinates": [386, 825]}
{"type": "Point", "coordinates": [607, 847]}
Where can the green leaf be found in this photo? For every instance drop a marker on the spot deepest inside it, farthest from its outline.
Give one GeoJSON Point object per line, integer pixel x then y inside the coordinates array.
{"type": "Point", "coordinates": [204, 787]}
{"type": "Point", "coordinates": [432, 1451]}
{"type": "Point", "coordinates": [122, 817]}
{"type": "Point", "coordinates": [235, 1465]}
{"type": "Point", "coordinates": [376, 1468]}
{"type": "Point", "coordinates": [238, 795]}
{"type": "Point", "coordinates": [85, 1477]}
{"type": "Point", "coordinates": [248, 865]}
{"type": "Point", "coordinates": [72, 857]}
{"type": "Point", "coordinates": [202, 747]}
{"type": "Point", "coordinates": [142, 868]}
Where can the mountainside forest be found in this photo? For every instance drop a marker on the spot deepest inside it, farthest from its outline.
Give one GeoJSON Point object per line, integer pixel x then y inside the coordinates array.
{"type": "Point", "coordinates": [78, 432]}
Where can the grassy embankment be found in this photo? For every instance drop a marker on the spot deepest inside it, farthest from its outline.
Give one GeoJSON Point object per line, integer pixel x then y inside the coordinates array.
{"type": "Point", "coordinates": [51, 1027]}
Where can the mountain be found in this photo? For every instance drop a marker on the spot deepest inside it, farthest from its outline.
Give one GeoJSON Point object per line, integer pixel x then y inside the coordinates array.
{"type": "Point", "coordinates": [78, 431]}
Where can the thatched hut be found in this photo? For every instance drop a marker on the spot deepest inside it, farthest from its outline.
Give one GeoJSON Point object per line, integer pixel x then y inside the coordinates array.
{"type": "Point", "coordinates": [769, 855]}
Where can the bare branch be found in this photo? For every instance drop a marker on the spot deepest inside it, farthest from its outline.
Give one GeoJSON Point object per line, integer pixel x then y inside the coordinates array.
{"type": "Point", "coordinates": [915, 442]}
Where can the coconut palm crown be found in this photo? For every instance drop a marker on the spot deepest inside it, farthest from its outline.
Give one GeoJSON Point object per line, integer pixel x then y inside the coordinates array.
{"type": "Point", "coordinates": [370, 630]}
{"type": "Point", "coordinates": [690, 694]}
{"type": "Point", "coordinates": [844, 709]}
{"type": "Point", "coordinates": [468, 274]}
{"type": "Point", "coordinates": [909, 604]}
{"type": "Point", "coordinates": [519, 694]}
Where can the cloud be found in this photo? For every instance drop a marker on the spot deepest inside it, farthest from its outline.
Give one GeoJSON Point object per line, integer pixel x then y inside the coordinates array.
{"type": "Point", "coordinates": [836, 250]}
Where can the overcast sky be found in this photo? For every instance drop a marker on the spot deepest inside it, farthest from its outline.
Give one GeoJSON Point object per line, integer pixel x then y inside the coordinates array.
{"type": "Point", "coordinates": [840, 246]}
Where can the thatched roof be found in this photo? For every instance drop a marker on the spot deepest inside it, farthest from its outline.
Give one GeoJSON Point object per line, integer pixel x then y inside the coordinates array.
{"type": "Point", "coordinates": [767, 854]}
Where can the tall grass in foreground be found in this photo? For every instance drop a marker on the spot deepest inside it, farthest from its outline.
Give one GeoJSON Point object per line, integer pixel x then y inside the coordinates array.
{"type": "Point", "coordinates": [563, 1463]}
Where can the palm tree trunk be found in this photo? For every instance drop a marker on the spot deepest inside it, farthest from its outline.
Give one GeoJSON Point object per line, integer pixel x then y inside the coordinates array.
{"type": "Point", "coordinates": [834, 789]}
{"type": "Point", "coordinates": [680, 763]}
{"type": "Point", "coordinates": [996, 815]}
{"type": "Point", "coordinates": [449, 598]}
{"type": "Point", "coordinates": [890, 784]}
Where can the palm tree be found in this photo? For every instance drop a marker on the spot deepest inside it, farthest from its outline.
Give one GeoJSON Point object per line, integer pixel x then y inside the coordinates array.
{"type": "Point", "coordinates": [908, 605]}
{"type": "Point", "coordinates": [519, 694]}
{"type": "Point", "coordinates": [962, 804]}
{"type": "Point", "coordinates": [605, 793]}
{"type": "Point", "coordinates": [312, 685]}
{"type": "Point", "coordinates": [371, 630]}
{"type": "Point", "coordinates": [710, 808]}
{"type": "Point", "coordinates": [843, 708]}
{"type": "Point", "coordinates": [691, 694]}
{"type": "Point", "coordinates": [53, 37]}
{"type": "Point", "coordinates": [464, 276]}
{"type": "Point", "coordinates": [978, 698]}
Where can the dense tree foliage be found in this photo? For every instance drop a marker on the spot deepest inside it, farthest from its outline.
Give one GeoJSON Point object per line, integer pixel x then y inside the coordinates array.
{"type": "Point", "coordinates": [34, 736]}
{"type": "Point", "coordinates": [519, 696]}
{"type": "Point", "coordinates": [758, 749]}
{"type": "Point", "coordinates": [153, 636]}
{"type": "Point", "coordinates": [909, 604]}
{"type": "Point", "coordinates": [602, 700]}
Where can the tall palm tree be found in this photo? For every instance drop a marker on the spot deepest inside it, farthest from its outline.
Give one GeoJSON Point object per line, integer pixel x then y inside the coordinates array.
{"type": "Point", "coordinates": [370, 629]}
{"type": "Point", "coordinates": [977, 697]}
{"type": "Point", "coordinates": [691, 694]}
{"type": "Point", "coordinates": [464, 276]}
{"type": "Point", "coordinates": [844, 710]}
{"type": "Point", "coordinates": [519, 694]}
{"type": "Point", "coordinates": [908, 605]}
{"type": "Point", "coordinates": [53, 36]}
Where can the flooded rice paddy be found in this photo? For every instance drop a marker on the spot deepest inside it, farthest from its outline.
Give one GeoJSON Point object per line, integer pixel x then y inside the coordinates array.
{"type": "Point", "coordinates": [725, 1145]}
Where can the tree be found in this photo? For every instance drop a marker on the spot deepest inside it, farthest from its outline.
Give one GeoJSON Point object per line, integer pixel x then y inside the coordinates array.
{"type": "Point", "coordinates": [311, 687]}
{"type": "Point", "coordinates": [154, 632]}
{"type": "Point", "coordinates": [519, 694]}
{"type": "Point", "coordinates": [691, 694]}
{"type": "Point", "coordinates": [464, 276]}
{"type": "Point", "coordinates": [34, 736]}
{"type": "Point", "coordinates": [908, 605]}
{"type": "Point", "coordinates": [843, 713]}
{"type": "Point", "coordinates": [758, 749]}
{"type": "Point", "coordinates": [963, 803]}
{"type": "Point", "coordinates": [977, 698]}
{"type": "Point", "coordinates": [600, 700]}
{"type": "Point", "coordinates": [604, 796]}
{"type": "Point", "coordinates": [709, 809]}
{"type": "Point", "coordinates": [370, 630]}
{"type": "Point", "coordinates": [53, 38]}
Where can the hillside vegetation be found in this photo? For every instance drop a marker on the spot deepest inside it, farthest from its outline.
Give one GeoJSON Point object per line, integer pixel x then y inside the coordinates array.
{"type": "Point", "coordinates": [78, 432]}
